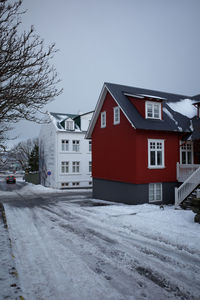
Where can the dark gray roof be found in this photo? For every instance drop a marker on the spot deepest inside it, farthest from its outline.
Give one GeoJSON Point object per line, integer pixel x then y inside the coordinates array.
{"type": "Point", "coordinates": [196, 97]}
{"type": "Point", "coordinates": [172, 121]}
{"type": "Point", "coordinates": [196, 129]}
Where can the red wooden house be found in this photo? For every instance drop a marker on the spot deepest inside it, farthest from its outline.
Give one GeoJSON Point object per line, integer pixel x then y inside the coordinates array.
{"type": "Point", "coordinates": [142, 149]}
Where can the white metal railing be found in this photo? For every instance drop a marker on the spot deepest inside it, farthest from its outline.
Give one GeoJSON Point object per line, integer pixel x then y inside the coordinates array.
{"type": "Point", "coordinates": [187, 187]}
{"type": "Point", "coordinates": [184, 171]}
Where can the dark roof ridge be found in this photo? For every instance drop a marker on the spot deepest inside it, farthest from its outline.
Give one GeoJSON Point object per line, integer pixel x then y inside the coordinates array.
{"type": "Point", "coordinates": [147, 90]}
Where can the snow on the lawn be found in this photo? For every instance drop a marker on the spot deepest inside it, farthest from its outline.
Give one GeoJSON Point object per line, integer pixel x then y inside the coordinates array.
{"type": "Point", "coordinates": [185, 107]}
{"type": "Point", "coordinates": [68, 251]}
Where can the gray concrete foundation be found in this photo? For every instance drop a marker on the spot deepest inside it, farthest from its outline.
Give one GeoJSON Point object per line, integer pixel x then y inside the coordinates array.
{"type": "Point", "coordinates": [130, 193]}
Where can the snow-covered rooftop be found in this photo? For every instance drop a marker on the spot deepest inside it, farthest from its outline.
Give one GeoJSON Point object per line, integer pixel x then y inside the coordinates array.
{"type": "Point", "coordinates": [185, 107]}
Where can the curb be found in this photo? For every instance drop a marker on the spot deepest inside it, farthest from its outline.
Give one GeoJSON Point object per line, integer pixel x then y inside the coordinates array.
{"type": "Point", "coordinates": [13, 271]}
{"type": "Point", "coordinates": [2, 210]}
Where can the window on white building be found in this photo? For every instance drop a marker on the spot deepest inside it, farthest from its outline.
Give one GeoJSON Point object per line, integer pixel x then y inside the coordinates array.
{"type": "Point", "coordinates": [116, 115]}
{"type": "Point", "coordinates": [90, 166]}
{"type": "Point", "coordinates": [155, 192]}
{"type": "Point", "coordinates": [75, 183]}
{"type": "Point", "coordinates": [103, 119]}
{"type": "Point", "coordinates": [90, 146]}
{"type": "Point", "coordinates": [65, 145]}
{"type": "Point", "coordinates": [186, 153]}
{"type": "Point", "coordinates": [153, 110]}
{"type": "Point", "coordinates": [64, 167]}
{"type": "Point", "coordinates": [63, 184]}
{"type": "Point", "coordinates": [76, 145]}
{"type": "Point", "coordinates": [75, 166]}
{"type": "Point", "coordinates": [155, 153]}
{"type": "Point", "coordinates": [69, 125]}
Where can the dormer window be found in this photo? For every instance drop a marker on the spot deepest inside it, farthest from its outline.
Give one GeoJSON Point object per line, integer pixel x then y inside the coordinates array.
{"type": "Point", "coordinates": [152, 110]}
{"type": "Point", "coordinates": [69, 125]}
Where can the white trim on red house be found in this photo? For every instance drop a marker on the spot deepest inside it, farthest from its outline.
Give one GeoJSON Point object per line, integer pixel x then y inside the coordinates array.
{"type": "Point", "coordinates": [103, 119]}
{"type": "Point", "coordinates": [97, 111]}
{"type": "Point", "coordinates": [156, 145]}
{"type": "Point", "coordinates": [116, 115]}
{"type": "Point", "coordinates": [153, 104]}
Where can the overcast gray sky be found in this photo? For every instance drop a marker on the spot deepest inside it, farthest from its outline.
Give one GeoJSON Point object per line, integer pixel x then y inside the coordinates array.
{"type": "Point", "coordinates": [152, 44]}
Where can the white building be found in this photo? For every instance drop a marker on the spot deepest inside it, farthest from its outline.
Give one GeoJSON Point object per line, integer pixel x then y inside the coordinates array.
{"type": "Point", "coordinates": [65, 154]}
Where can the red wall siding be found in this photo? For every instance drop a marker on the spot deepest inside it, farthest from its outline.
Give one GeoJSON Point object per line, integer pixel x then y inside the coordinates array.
{"type": "Point", "coordinates": [171, 157]}
{"type": "Point", "coordinates": [120, 153]}
{"type": "Point", "coordinates": [139, 104]}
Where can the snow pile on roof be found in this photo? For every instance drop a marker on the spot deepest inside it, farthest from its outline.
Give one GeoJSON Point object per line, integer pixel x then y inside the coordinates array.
{"type": "Point", "coordinates": [184, 107]}
{"type": "Point", "coordinates": [172, 118]}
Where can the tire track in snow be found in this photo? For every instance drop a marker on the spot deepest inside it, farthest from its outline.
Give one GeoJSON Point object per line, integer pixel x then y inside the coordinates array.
{"type": "Point", "coordinates": [87, 233]}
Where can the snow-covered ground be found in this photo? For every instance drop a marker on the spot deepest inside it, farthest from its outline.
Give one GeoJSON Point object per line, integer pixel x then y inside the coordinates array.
{"type": "Point", "coordinates": [77, 248]}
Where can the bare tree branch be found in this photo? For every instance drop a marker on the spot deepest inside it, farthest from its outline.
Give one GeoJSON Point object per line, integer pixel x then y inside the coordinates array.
{"type": "Point", "coordinates": [27, 80]}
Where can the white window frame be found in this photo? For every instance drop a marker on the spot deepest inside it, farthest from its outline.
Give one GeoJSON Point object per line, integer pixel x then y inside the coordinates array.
{"type": "Point", "coordinates": [64, 167]}
{"type": "Point", "coordinates": [69, 125]}
{"type": "Point", "coordinates": [153, 105]}
{"type": "Point", "coordinates": [76, 167]}
{"type": "Point", "coordinates": [186, 147]}
{"type": "Point", "coordinates": [65, 145]}
{"type": "Point", "coordinates": [116, 115]}
{"type": "Point", "coordinates": [90, 146]}
{"type": "Point", "coordinates": [154, 187]}
{"type": "Point", "coordinates": [103, 119]}
{"type": "Point", "coordinates": [90, 166]}
{"type": "Point", "coordinates": [76, 146]}
{"type": "Point", "coordinates": [158, 144]}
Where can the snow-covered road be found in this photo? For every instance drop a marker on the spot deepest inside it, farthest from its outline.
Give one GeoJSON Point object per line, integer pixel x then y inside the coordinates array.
{"type": "Point", "coordinates": [75, 249]}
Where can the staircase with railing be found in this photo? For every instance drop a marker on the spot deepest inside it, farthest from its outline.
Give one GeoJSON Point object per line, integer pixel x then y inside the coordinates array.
{"type": "Point", "coordinates": [187, 187]}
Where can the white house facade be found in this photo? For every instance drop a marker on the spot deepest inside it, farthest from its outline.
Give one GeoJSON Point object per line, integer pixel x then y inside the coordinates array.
{"type": "Point", "coordinates": [65, 154]}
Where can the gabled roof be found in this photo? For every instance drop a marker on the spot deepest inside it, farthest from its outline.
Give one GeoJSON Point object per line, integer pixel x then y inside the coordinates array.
{"type": "Point", "coordinates": [59, 119]}
{"type": "Point", "coordinates": [172, 121]}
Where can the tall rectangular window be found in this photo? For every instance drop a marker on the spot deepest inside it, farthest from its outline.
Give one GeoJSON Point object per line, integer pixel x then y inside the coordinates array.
{"type": "Point", "coordinates": [156, 153]}
{"type": "Point", "coordinates": [186, 153]}
{"type": "Point", "coordinates": [76, 145]}
{"type": "Point", "coordinates": [103, 119]}
{"type": "Point", "coordinates": [65, 145]}
{"type": "Point", "coordinates": [90, 146]}
{"type": "Point", "coordinates": [75, 166]}
{"type": "Point", "coordinates": [153, 110]}
{"type": "Point", "coordinates": [155, 192]}
{"type": "Point", "coordinates": [64, 167]}
{"type": "Point", "coordinates": [116, 115]}
{"type": "Point", "coordinates": [69, 125]}
{"type": "Point", "coordinates": [90, 166]}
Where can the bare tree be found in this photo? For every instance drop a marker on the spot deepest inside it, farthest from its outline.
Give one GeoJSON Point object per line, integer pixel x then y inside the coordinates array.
{"type": "Point", "coordinates": [21, 153]}
{"type": "Point", "coordinates": [27, 80]}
